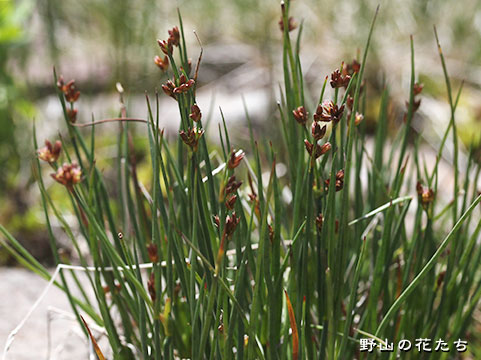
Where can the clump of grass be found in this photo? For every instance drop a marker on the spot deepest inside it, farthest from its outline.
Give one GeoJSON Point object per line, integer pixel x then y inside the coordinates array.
{"type": "Point", "coordinates": [213, 262]}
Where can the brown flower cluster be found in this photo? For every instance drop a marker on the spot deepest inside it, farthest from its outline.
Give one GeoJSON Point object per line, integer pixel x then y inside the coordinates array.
{"type": "Point", "coordinates": [317, 131]}
{"type": "Point", "coordinates": [230, 189]}
{"type": "Point", "coordinates": [235, 159]}
{"type": "Point", "coordinates": [167, 46]}
{"type": "Point", "coordinates": [425, 195]}
{"type": "Point", "coordinates": [339, 181]}
{"type": "Point", "coordinates": [319, 221]}
{"type": "Point", "coordinates": [339, 80]}
{"type": "Point", "coordinates": [183, 86]}
{"type": "Point", "coordinates": [69, 89]}
{"type": "Point", "coordinates": [232, 185]}
{"type": "Point", "coordinates": [153, 253]}
{"type": "Point", "coordinates": [162, 63]}
{"type": "Point", "coordinates": [71, 95]}
{"type": "Point", "coordinates": [68, 174]}
{"type": "Point", "coordinates": [417, 89]}
{"type": "Point", "coordinates": [318, 149]}
{"type": "Point", "coordinates": [231, 222]}
{"type": "Point", "coordinates": [359, 117]}
{"type": "Point", "coordinates": [291, 24]}
{"type": "Point", "coordinates": [151, 286]}
{"type": "Point", "coordinates": [351, 68]}
{"type": "Point", "coordinates": [50, 153]}
{"type": "Point", "coordinates": [301, 115]}
{"type": "Point", "coordinates": [191, 137]}
{"type": "Point", "coordinates": [329, 112]}
{"type": "Point", "coordinates": [195, 113]}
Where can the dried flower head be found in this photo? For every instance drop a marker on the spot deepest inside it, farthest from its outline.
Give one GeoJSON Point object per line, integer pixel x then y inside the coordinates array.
{"type": "Point", "coordinates": [329, 112]}
{"type": "Point", "coordinates": [195, 113]}
{"type": "Point", "coordinates": [230, 202]}
{"type": "Point", "coordinates": [318, 132]}
{"type": "Point", "coordinates": [153, 253]}
{"type": "Point", "coordinates": [291, 24]}
{"type": "Point", "coordinates": [163, 64]}
{"type": "Point", "coordinates": [235, 158]}
{"type": "Point", "coordinates": [216, 220]}
{"type": "Point", "coordinates": [231, 222]}
{"type": "Point", "coordinates": [68, 174]}
{"type": "Point", "coordinates": [416, 104]}
{"type": "Point", "coordinates": [301, 115]}
{"type": "Point", "coordinates": [339, 181]}
{"type": "Point", "coordinates": [168, 88]}
{"type": "Point", "coordinates": [72, 115]}
{"type": "Point", "coordinates": [184, 85]}
{"type": "Point", "coordinates": [425, 195]}
{"type": "Point", "coordinates": [191, 137]}
{"type": "Point", "coordinates": [319, 221]}
{"type": "Point", "coordinates": [151, 286]}
{"type": "Point", "coordinates": [358, 118]}
{"type": "Point", "coordinates": [418, 88]}
{"type": "Point", "coordinates": [339, 80]}
{"type": "Point", "coordinates": [271, 233]}
{"type": "Point", "coordinates": [232, 186]}
{"type": "Point", "coordinates": [174, 36]}
{"type": "Point", "coordinates": [165, 46]}
{"type": "Point", "coordinates": [50, 153]}
{"type": "Point", "coordinates": [351, 68]}
{"type": "Point", "coordinates": [69, 89]}
{"type": "Point", "coordinates": [320, 150]}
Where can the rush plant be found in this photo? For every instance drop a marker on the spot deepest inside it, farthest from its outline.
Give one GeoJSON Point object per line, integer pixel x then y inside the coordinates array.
{"type": "Point", "coordinates": [211, 261]}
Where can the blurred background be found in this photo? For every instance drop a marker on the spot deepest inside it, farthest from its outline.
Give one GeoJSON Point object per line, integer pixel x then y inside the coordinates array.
{"type": "Point", "coordinates": [101, 42]}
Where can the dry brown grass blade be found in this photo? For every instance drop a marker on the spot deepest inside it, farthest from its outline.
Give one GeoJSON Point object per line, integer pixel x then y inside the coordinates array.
{"type": "Point", "coordinates": [295, 335]}
{"type": "Point", "coordinates": [96, 346]}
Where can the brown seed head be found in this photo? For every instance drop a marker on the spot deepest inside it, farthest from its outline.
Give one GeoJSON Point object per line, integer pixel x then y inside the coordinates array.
{"type": "Point", "coordinates": [416, 104]}
{"type": "Point", "coordinates": [72, 115]}
{"type": "Point", "coordinates": [165, 46]}
{"type": "Point", "coordinates": [235, 159]}
{"type": "Point", "coordinates": [231, 222]}
{"type": "Point", "coordinates": [358, 119]}
{"type": "Point", "coordinates": [216, 220]}
{"type": "Point", "coordinates": [318, 132]}
{"type": "Point", "coordinates": [291, 24]}
{"type": "Point", "coordinates": [425, 195]}
{"type": "Point", "coordinates": [271, 233]}
{"type": "Point", "coordinates": [50, 153]}
{"type": "Point", "coordinates": [174, 36]}
{"type": "Point", "coordinates": [418, 88]}
{"type": "Point", "coordinates": [163, 64]}
{"type": "Point", "coordinates": [195, 113]}
{"type": "Point", "coordinates": [319, 221]}
{"type": "Point", "coordinates": [68, 174]}
{"type": "Point", "coordinates": [168, 88]}
{"type": "Point", "coordinates": [153, 253]}
{"type": "Point", "coordinates": [191, 137]}
{"type": "Point", "coordinates": [151, 286]}
{"type": "Point", "coordinates": [184, 87]}
{"type": "Point", "coordinates": [69, 90]}
{"type": "Point", "coordinates": [320, 150]}
{"type": "Point", "coordinates": [339, 80]}
{"type": "Point", "coordinates": [232, 185]}
{"type": "Point", "coordinates": [329, 112]}
{"type": "Point", "coordinates": [351, 68]}
{"type": "Point", "coordinates": [300, 114]}
{"type": "Point", "coordinates": [230, 202]}
{"type": "Point", "coordinates": [339, 181]}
